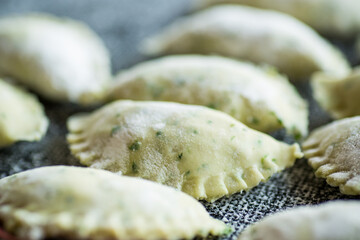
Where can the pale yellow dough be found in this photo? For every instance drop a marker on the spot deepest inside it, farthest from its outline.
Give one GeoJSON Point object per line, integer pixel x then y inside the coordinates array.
{"type": "Point", "coordinates": [84, 203]}
{"type": "Point", "coordinates": [334, 152]}
{"type": "Point", "coordinates": [22, 116]}
{"type": "Point", "coordinates": [260, 36]}
{"type": "Point", "coordinates": [336, 220]}
{"type": "Point", "coordinates": [339, 96]}
{"type": "Point", "coordinates": [331, 17]}
{"type": "Point", "coordinates": [203, 152]}
{"type": "Point", "coordinates": [59, 58]}
{"type": "Point", "coordinates": [260, 98]}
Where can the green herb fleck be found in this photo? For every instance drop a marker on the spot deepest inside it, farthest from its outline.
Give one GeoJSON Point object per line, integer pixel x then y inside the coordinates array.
{"type": "Point", "coordinates": [134, 168]}
{"type": "Point", "coordinates": [232, 125]}
{"type": "Point", "coordinates": [114, 130]}
{"type": "Point", "coordinates": [118, 115]}
{"type": "Point", "coordinates": [195, 131]}
{"type": "Point", "coordinates": [158, 133]}
{"type": "Point", "coordinates": [209, 122]}
{"type": "Point", "coordinates": [211, 105]}
{"type": "Point", "coordinates": [187, 173]}
{"type": "Point", "coordinates": [259, 142]}
{"type": "Point", "coordinates": [180, 156]}
{"type": "Point", "coordinates": [274, 160]}
{"type": "Point", "coordinates": [254, 120]}
{"type": "Point", "coordinates": [232, 138]}
{"type": "Point", "coordinates": [135, 146]}
{"type": "Point", "coordinates": [227, 230]}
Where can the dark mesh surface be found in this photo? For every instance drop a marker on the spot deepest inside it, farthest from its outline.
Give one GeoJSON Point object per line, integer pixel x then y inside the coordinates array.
{"type": "Point", "coordinates": [122, 24]}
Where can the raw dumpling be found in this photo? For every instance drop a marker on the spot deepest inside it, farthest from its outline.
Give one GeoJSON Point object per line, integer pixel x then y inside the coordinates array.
{"type": "Point", "coordinates": [262, 99]}
{"type": "Point", "coordinates": [22, 116]}
{"type": "Point", "coordinates": [260, 36]}
{"type": "Point", "coordinates": [203, 152]}
{"type": "Point", "coordinates": [84, 203]}
{"type": "Point", "coordinates": [61, 59]}
{"type": "Point", "coordinates": [338, 220]}
{"type": "Point", "coordinates": [334, 152]}
{"type": "Point", "coordinates": [339, 96]}
{"type": "Point", "coordinates": [331, 17]}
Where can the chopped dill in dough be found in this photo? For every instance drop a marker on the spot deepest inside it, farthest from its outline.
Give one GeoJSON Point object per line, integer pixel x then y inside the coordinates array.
{"type": "Point", "coordinates": [114, 130]}
{"type": "Point", "coordinates": [135, 146]}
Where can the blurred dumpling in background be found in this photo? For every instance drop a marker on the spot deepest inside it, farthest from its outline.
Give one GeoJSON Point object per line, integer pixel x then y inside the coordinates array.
{"type": "Point", "coordinates": [59, 58]}
{"type": "Point", "coordinates": [260, 36]}
{"type": "Point", "coordinates": [330, 17]}
{"type": "Point", "coordinates": [334, 220]}
{"type": "Point", "coordinates": [259, 97]}
{"type": "Point", "coordinates": [22, 116]}
{"type": "Point", "coordinates": [338, 96]}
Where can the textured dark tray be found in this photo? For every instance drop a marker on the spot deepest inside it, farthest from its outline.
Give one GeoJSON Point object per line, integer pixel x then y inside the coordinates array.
{"type": "Point", "coordinates": [122, 24]}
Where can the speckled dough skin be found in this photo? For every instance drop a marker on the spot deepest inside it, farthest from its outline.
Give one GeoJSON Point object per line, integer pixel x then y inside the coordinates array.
{"type": "Point", "coordinates": [338, 96]}
{"type": "Point", "coordinates": [260, 98]}
{"type": "Point", "coordinates": [260, 36]}
{"type": "Point", "coordinates": [334, 152]}
{"type": "Point", "coordinates": [59, 58]}
{"type": "Point", "coordinates": [338, 220]}
{"type": "Point", "coordinates": [22, 116]}
{"type": "Point", "coordinates": [84, 203]}
{"type": "Point", "coordinates": [203, 152]}
{"type": "Point", "coordinates": [331, 17]}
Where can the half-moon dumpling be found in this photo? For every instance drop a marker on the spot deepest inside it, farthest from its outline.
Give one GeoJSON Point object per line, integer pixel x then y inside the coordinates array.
{"type": "Point", "coordinates": [61, 59]}
{"type": "Point", "coordinates": [203, 152]}
{"type": "Point", "coordinates": [261, 36]}
{"type": "Point", "coordinates": [22, 116]}
{"type": "Point", "coordinates": [334, 152]}
{"type": "Point", "coordinates": [262, 99]}
{"type": "Point", "coordinates": [331, 17]}
{"type": "Point", "coordinates": [84, 203]}
{"type": "Point", "coordinates": [339, 96]}
{"type": "Point", "coordinates": [329, 221]}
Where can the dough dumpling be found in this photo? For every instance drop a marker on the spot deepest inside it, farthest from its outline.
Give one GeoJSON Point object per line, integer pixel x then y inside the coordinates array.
{"type": "Point", "coordinates": [334, 152]}
{"type": "Point", "coordinates": [203, 152]}
{"type": "Point", "coordinates": [84, 203]}
{"type": "Point", "coordinates": [261, 36]}
{"type": "Point", "coordinates": [59, 58]}
{"type": "Point", "coordinates": [261, 99]}
{"type": "Point", "coordinates": [22, 116]}
{"type": "Point", "coordinates": [337, 220]}
{"type": "Point", "coordinates": [339, 96]}
{"type": "Point", "coordinates": [331, 17]}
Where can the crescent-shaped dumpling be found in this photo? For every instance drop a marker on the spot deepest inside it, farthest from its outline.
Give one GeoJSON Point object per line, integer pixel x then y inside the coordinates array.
{"type": "Point", "coordinates": [22, 116]}
{"type": "Point", "coordinates": [261, 36]}
{"type": "Point", "coordinates": [260, 98]}
{"type": "Point", "coordinates": [331, 17]}
{"type": "Point", "coordinates": [329, 221]}
{"type": "Point", "coordinates": [334, 152]}
{"type": "Point", "coordinates": [339, 96]}
{"type": "Point", "coordinates": [59, 58]}
{"type": "Point", "coordinates": [203, 152]}
{"type": "Point", "coordinates": [83, 203]}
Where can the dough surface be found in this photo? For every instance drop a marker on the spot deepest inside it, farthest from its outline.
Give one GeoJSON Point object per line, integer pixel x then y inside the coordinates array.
{"type": "Point", "coordinates": [203, 152]}
{"type": "Point", "coordinates": [260, 36]}
{"type": "Point", "coordinates": [330, 17]}
{"type": "Point", "coordinates": [22, 116]}
{"type": "Point", "coordinates": [260, 98]}
{"type": "Point", "coordinates": [334, 152]}
{"type": "Point", "coordinates": [84, 203]}
{"type": "Point", "coordinates": [59, 58]}
{"type": "Point", "coordinates": [338, 96]}
{"type": "Point", "coordinates": [334, 220]}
